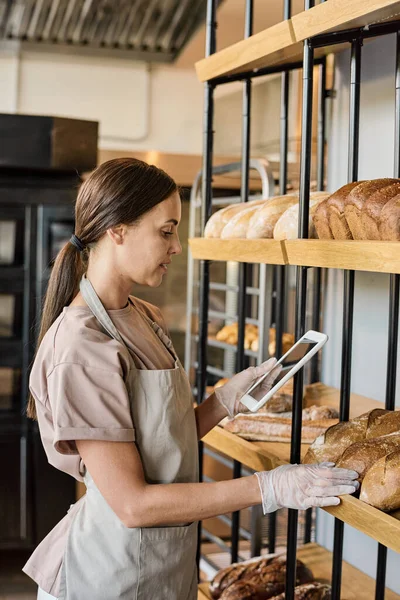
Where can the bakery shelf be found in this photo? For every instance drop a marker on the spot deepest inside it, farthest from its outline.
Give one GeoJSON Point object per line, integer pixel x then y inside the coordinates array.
{"type": "Point", "coordinates": [381, 526]}
{"type": "Point", "coordinates": [250, 251]}
{"type": "Point", "coordinates": [283, 43]}
{"type": "Point", "coordinates": [355, 584]}
{"type": "Point", "coordinates": [380, 257]}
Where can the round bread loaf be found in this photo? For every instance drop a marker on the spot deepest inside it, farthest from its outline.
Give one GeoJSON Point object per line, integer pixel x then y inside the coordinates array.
{"type": "Point", "coordinates": [371, 211]}
{"type": "Point", "coordinates": [381, 485]}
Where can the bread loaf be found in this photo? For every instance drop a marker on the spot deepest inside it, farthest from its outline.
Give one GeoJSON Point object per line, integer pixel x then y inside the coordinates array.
{"type": "Point", "coordinates": [389, 226]}
{"type": "Point", "coordinates": [287, 226]}
{"type": "Point", "coordinates": [321, 221]}
{"type": "Point", "coordinates": [362, 455]}
{"type": "Point", "coordinates": [309, 591]}
{"type": "Point", "coordinates": [263, 221]}
{"type": "Point", "coordinates": [238, 225]}
{"type": "Point", "coordinates": [354, 203]}
{"type": "Point", "coordinates": [265, 428]}
{"type": "Point", "coordinates": [251, 590]}
{"type": "Point", "coordinates": [219, 219]}
{"type": "Point", "coordinates": [381, 485]}
{"type": "Point", "coordinates": [371, 211]}
{"type": "Point", "coordinates": [373, 424]}
{"type": "Point", "coordinates": [336, 217]}
{"type": "Point", "coordinates": [330, 445]}
{"type": "Point", "coordinates": [269, 570]}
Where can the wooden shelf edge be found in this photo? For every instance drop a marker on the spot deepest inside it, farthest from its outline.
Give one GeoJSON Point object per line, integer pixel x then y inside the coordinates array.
{"type": "Point", "coordinates": [355, 584]}
{"type": "Point", "coordinates": [282, 43]}
{"type": "Point", "coordinates": [372, 256]}
{"type": "Point", "coordinates": [257, 251]}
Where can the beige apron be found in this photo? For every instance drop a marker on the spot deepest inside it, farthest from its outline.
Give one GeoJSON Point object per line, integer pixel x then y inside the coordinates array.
{"type": "Point", "coordinates": [104, 559]}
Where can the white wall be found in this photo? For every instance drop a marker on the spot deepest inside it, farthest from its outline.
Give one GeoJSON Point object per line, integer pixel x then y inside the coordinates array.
{"type": "Point", "coordinates": [371, 290]}
{"type": "Point", "coordinates": [139, 107]}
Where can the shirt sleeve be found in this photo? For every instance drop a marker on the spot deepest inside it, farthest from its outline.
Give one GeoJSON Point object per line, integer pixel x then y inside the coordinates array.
{"type": "Point", "coordinates": [88, 403]}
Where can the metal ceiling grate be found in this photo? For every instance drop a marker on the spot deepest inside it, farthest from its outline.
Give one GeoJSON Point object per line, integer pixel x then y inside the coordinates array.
{"type": "Point", "coordinates": [156, 27]}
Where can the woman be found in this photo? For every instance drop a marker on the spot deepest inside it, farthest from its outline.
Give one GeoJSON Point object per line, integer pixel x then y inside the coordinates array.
{"type": "Point", "coordinates": [115, 409]}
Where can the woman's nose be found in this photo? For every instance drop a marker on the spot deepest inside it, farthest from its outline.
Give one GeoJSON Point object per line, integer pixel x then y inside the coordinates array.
{"type": "Point", "coordinates": [176, 247]}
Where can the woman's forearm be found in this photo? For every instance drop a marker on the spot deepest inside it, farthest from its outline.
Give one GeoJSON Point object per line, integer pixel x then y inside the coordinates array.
{"type": "Point", "coordinates": [178, 503]}
{"type": "Point", "coordinates": [208, 414]}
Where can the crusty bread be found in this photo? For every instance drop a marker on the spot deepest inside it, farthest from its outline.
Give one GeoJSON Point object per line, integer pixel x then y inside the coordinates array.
{"type": "Point", "coordinates": [219, 219]}
{"type": "Point", "coordinates": [261, 427]}
{"type": "Point", "coordinates": [321, 221]}
{"type": "Point", "coordinates": [264, 572]}
{"type": "Point", "coordinates": [362, 455]}
{"type": "Point", "coordinates": [309, 591]}
{"type": "Point", "coordinates": [381, 485]}
{"type": "Point", "coordinates": [237, 226]}
{"type": "Point", "coordinates": [330, 445]}
{"type": "Point", "coordinates": [389, 226]}
{"type": "Point", "coordinates": [336, 217]}
{"type": "Point", "coordinates": [263, 221]}
{"type": "Point", "coordinates": [354, 203]}
{"type": "Point", "coordinates": [287, 226]}
{"type": "Point", "coordinates": [371, 211]}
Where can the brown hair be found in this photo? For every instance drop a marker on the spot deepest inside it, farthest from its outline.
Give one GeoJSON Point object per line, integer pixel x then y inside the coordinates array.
{"type": "Point", "coordinates": [119, 191]}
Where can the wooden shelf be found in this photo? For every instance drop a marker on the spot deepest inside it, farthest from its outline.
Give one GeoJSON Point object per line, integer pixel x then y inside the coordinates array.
{"type": "Point", "coordinates": [283, 43]}
{"type": "Point", "coordinates": [263, 456]}
{"type": "Point", "coordinates": [379, 257]}
{"type": "Point", "coordinates": [251, 251]}
{"type": "Point", "coordinates": [355, 584]}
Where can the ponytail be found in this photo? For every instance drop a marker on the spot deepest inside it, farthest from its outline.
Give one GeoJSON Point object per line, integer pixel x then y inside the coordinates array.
{"type": "Point", "coordinates": [63, 286]}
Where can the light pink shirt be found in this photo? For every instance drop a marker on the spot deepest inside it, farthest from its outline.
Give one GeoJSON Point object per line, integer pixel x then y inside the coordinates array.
{"type": "Point", "coordinates": [78, 378]}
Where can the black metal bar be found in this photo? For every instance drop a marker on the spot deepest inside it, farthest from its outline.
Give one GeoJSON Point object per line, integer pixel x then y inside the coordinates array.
{"type": "Point", "coordinates": [320, 186]}
{"type": "Point", "coordinates": [242, 296]}
{"type": "Point", "coordinates": [348, 297]}
{"type": "Point", "coordinates": [208, 138]}
{"type": "Point", "coordinates": [393, 333]}
{"type": "Point", "coordinates": [301, 296]}
{"type": "Point", "coordinates": [260, 72]}
{"type": "Point", "coordinates": [256, 537]}
{"type": "Point", "coordinates": [348, 35]}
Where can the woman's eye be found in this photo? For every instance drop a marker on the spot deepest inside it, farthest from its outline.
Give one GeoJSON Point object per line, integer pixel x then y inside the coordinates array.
{"type": "Point", "coordinates": [167, 232]}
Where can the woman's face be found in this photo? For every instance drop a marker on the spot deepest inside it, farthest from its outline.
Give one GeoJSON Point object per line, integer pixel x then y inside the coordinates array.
{"type": "Point", "coordinates": [149, 246]}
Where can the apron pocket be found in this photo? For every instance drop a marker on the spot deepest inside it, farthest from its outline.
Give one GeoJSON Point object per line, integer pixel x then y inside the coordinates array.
{"type": "Point", "coordinates": [168, 562]}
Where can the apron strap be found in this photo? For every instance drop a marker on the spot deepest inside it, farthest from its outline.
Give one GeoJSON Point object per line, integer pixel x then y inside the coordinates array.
{"type": "Point", "coordinates": [95, 305]}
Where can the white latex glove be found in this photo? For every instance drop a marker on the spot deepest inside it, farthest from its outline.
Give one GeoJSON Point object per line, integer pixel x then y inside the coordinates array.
{"type": "Point", "coordinates": [229, 395]}
{"type": "Point", "coordinates": [304, 486]}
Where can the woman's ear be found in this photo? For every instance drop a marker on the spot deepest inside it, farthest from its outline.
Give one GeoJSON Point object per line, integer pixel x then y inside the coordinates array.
{"type": "Point", "coordinates": [117, 234]}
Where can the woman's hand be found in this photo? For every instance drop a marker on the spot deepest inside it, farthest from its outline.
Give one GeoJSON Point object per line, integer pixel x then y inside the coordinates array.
{"type": "Point", "coordinates": [229, 395]}
{"type": "Point", "coordinates": [304, 486]}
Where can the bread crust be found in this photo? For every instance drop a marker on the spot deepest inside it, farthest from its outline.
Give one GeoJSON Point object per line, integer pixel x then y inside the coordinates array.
{"type": "Point", "coordinates": [389, 225]}
{"type": "Point", "coordinates": [381, 485]}
{"type": "Point", "coordinates": [335, 208]}
{"type": "Point", "coordinates": [362, 455]}
{"type": "Point", "coordinates": [355, 201]}
{"type": "Point", "coordinates": [263, 221]}
{"type": "Point", "coordinates": [371, 211]}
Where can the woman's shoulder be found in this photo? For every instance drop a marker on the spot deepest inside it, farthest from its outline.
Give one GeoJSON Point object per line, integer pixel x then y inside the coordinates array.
{"type": "Point", "coordinates": [150, 310]}
{"type": "Point", "coordinates": [77, 337]}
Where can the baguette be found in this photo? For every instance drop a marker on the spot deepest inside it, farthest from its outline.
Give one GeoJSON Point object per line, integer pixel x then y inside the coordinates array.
{"type": "Point", "coordinates": [287, 226]}
{"type": "Point", "coordinates": [355, 201]}
{"type": "Point", "coordinates": [329, 446]}
{"type": "Point", "coordinates": [362, 455]}
{"type": "Point", "coordinates": [237, 226]}
{"type": "Point", "coordinates": [336, 217]}
{"type": "Point", "coordinates": [263, 221]}
{"type": "Point", "coordinates": [219, 219]}
{"type": "Point", "coordinates": [389, 226]}
{"type": "Point", "coordinates": [371, 212]}
{"type": "Point", "coordinates": [381, 485]}
{"type": "Point", "coordinates": [265, 428]}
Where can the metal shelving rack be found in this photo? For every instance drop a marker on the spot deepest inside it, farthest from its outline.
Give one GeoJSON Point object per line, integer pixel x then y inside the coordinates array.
{"type": "Point", "coordinates": [300, 42]}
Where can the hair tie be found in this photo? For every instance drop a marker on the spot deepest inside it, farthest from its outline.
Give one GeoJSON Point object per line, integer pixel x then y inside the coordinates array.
{"type": "Point", "coordinates": [75, 241]}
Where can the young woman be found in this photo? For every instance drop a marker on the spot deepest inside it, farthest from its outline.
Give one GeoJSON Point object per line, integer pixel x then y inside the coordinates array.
{"type": "Point", "coordinates": [115, 409]}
